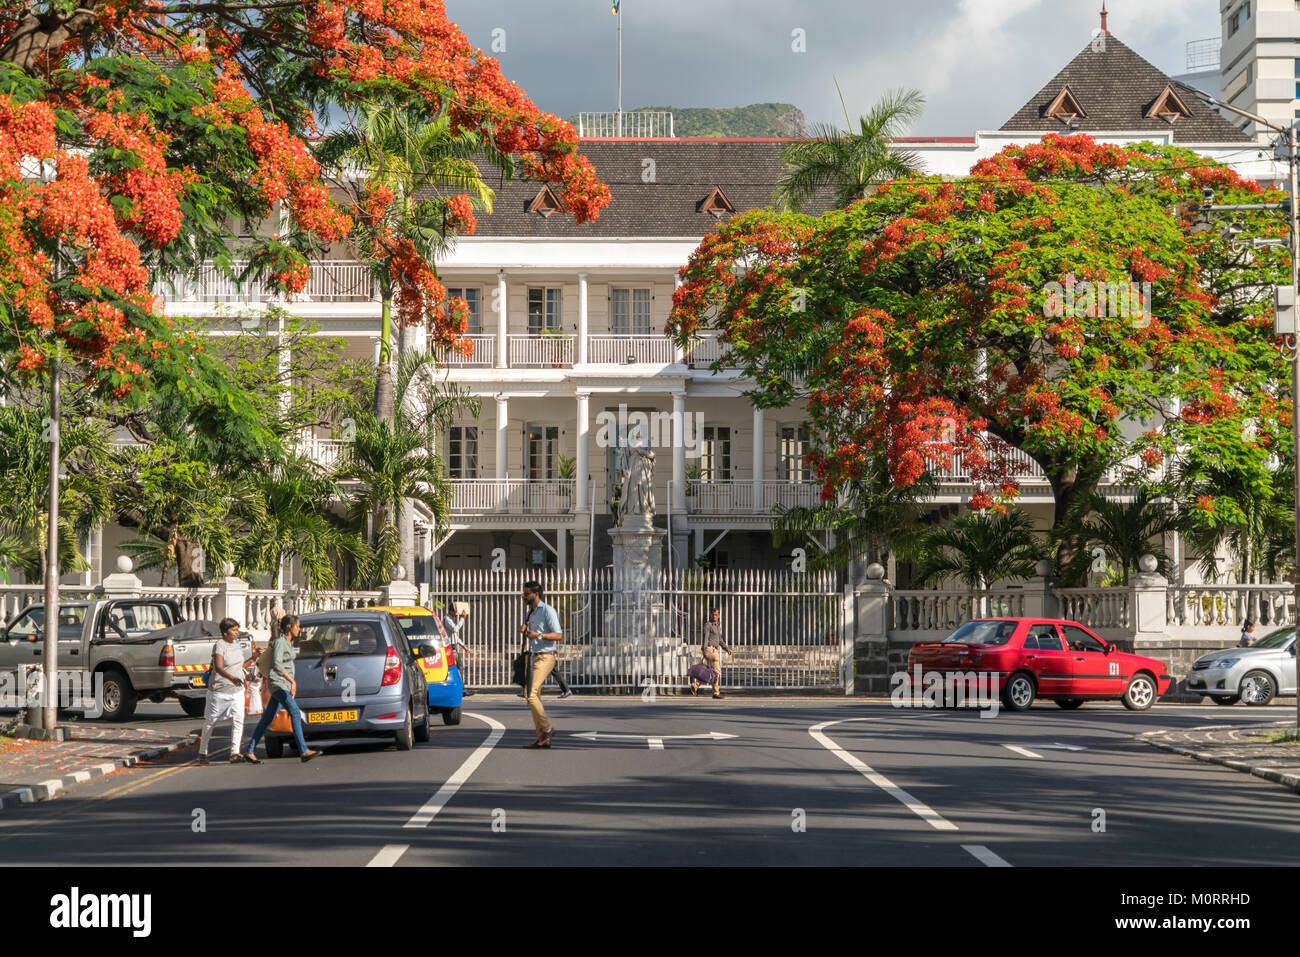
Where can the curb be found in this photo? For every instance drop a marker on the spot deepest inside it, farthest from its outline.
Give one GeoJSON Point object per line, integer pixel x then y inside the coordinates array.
{"type": "Point", "coordinates": [47, 790]}
{"type": "Point", "coordinates": [1289, 781]}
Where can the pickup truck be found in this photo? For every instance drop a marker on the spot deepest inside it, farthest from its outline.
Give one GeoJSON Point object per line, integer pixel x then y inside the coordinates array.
{"type": "Point", "coordinates": [138, 647]}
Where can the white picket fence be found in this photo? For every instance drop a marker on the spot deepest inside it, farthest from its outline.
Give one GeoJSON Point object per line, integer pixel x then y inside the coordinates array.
{"type": "Point", "coordinates": [786, 631]}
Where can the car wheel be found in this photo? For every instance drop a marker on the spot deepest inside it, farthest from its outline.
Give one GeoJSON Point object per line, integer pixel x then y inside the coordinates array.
{"type": "Point", "coordinates": [406, 737]}
{"type": "Point", "coordinates": [1018, 692]}
{"type": "Point", "coordinates": [451, 715]}
{"type": "Point", "coordinates": [1069, 704]}
{"type": "Point", "coordinates": [422, 729]}
{"type": "Point", "coordinates": [194, 707]}
{"type": "Point", "coordinates": [274, 747]}
{"type": "Point", "coordinates": [119, 697]}
{"type": "Point", "coordinates": [1257, 688]}
{"type": "Point", "coordinates": [1225, 699]}
{"type": "Point", "coordinates": [1140, 693]}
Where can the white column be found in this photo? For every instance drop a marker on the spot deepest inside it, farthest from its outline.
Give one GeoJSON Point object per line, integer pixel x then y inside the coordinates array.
{"type": "Point", "coordinates": [679, 354]}
{"type": "Point", "coordinates": [503, 322]}
{"type": "Point", "coordinates": [581, 357]}
{"type": "Point", "coordinates": [758, 460]}
{"type": "Point", "coordinates": [679, 455]}
{"type": "Point", "coordinates": [503, 436]}
{"type": "Point", "coordinates": [582, 465]}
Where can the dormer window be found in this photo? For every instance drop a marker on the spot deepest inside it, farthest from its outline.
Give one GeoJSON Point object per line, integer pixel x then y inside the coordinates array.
{"type": "Point", "coordinates": [1168, 106]}
{"type": "Point", "coordinates": [545, 203]}
{"type": "Point", "coordinates": [715, 204]}
{"type": "Point", "coordinates": [1065, 107]}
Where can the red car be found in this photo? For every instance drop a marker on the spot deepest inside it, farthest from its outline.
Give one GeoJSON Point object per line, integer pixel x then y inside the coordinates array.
{"type": "Point", "coordinates": [1030, 658]}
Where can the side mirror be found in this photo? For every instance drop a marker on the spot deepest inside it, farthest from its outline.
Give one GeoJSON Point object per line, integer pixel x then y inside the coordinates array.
{"type": "Point", "coordinates": [1109, 649]}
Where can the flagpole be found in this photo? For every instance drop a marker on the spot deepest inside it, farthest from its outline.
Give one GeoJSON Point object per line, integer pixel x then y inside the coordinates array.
{"type": "Point", "coordinates": [620, 69]}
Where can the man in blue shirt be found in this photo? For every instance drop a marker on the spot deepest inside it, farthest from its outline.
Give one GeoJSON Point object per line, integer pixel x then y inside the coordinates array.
{"type": "Point", "coordinates": [542, 629]}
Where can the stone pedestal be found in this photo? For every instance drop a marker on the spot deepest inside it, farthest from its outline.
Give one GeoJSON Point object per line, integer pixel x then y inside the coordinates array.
{"type": "Point", "coordinates": [401, 594]}
{"type": "Point", "coordinates": [871, 633]}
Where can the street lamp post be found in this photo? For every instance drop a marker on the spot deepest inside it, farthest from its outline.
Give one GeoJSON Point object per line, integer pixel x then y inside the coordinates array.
{"type": "Point", "coordinates": [49, 715]}
{"type": "Point", "coordinates": [1290, 142]}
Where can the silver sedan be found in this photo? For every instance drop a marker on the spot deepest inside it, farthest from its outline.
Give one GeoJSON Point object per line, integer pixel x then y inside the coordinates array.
{"type": "Point", "coordinates": [1254, 675]}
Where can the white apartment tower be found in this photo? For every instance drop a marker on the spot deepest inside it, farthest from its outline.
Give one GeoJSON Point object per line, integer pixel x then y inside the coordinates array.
{"type": "Point", "coordinates": [1260, 60]}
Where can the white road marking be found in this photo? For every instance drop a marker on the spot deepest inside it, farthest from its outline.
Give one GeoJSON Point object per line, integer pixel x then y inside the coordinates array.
{"type": "Point", "coordinates": [919, 808]}
{"type": "Point", "coordinates": [388, 856]}
{"type": "Point", "coordinates": [1060, 747]}
{"type": "Point", "coordinates": [445, 793]}
{"type": "Point", "coordinates": [984, 855]}
{"type": "Point", "coordinates": [653, 742]}
{"type": "Point", "coordinates": [1025, 752]}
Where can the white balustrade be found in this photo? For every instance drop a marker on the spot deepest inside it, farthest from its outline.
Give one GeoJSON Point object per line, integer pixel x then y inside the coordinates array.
{"type": "Point", "coordinates": [484, 354]}
{"type": "Point", "coordinates": [331, 280]}
{"type": "Point", "coordinates": [719, 498]}
{"type": "Point", "coordinates": [512, 496]}
{"type": "Point", "coordinates": [1229, 606]}
{"type": "Point", "coordinates": [541, 351]}
{"type": "Point", "coordinates": [1098, 608]}
{"type": "Point", "coordinates": [628, 350]}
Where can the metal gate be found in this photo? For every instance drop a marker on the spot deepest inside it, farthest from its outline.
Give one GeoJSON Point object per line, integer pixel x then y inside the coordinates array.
{"type": "Point", "coordinates": [786, 630]}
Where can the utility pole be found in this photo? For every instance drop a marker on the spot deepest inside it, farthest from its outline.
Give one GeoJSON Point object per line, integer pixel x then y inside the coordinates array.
{"type": "Point", "coordinates": [49, 714]}
{"type": "Point", "coordinates": [1290, 144]}
{"type": "Point", "coordinates": [618, 12]}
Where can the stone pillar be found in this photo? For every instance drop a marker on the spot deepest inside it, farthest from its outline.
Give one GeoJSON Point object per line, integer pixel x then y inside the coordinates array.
{"type": "Point", "coordinates": [124, 583]}
{"type": "Point", "coordinates": [871, 632]}
{"type": "Point", "coordinates": [580, 357]}
{"type": "Point", "coordinates": [1148, 606]}
{"type": "Point", "coordinates": [231, 600]}
{"type": "Point", "coordinates": [1039, 600]}
{"type": "Point", "coordinates": [503, 323]}
{"type": "Point", "coordinates": [402, 593]}
{"type": "Point", "coordinates": [758, 460]}
{"type": "Point", "coordinates": [679, 455]}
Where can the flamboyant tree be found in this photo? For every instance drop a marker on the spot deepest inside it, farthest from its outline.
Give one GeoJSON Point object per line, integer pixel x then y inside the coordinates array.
{"type": "Point", "coordinates": [1009, 310]}
{"type": "Point", "coordinates": [141, 138]}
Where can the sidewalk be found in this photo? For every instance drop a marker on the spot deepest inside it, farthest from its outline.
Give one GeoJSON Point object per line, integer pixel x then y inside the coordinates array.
{"type": "Point", "coordinates": [1238, 748]}
{"type": "Point", "coordinates": [33, 771]}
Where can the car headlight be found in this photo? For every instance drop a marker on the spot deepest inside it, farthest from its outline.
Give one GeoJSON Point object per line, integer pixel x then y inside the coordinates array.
{"type": "Point", "coordinates": [1225, 662]}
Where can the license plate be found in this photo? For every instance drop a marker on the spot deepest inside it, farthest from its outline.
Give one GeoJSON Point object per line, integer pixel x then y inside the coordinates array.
{"type": "Point", "coordinates": [330, 717]}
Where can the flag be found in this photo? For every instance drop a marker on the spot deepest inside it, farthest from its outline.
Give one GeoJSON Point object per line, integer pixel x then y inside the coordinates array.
{"type": "Point", "coordinates": [615, 9]}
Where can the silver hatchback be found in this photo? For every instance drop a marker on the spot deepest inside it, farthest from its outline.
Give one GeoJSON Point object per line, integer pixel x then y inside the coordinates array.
{"type": "Point", "coordinates": [1255, 675]}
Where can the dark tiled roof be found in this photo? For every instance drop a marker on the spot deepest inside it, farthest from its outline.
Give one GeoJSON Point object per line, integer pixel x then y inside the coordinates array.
{"type": "Point", "coordinates": [686, 171]}
{"type": "Point", "coordinates": [1116, 87]}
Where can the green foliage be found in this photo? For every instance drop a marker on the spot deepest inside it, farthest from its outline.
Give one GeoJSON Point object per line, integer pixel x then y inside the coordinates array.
{"type": "Point", "coordinates": [979, 549]}
{"type": "Point", "coordinates": [1124, 530]}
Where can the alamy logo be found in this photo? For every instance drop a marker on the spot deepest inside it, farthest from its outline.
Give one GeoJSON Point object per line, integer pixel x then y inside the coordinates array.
{"type": "Point", "coordinates": [654, 429]}
{"type": "Point", "coordinates": [77, 910]}
{"type": "Point", "coordinates": [1078, 299]}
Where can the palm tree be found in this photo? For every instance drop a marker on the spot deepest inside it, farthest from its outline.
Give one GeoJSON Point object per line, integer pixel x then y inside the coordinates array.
{"type": "Point", "coordinates": [85, 492]}
{"type": "Point", "coordinates": [850, 163]}
{"type": "Point", "coordinates": [392, 468]}
{"type": "Point", "coordinates": [419, 161]}
{"type": "Point", "coordinates": [290, 519]}
{"type": "Point", "coordinates": [1251, 519]}
{"type": "Point", "coordinates": [980, 549]}
{"type": "Point", "coordinates": [1124, 530]}
{"type": "Point", "coordinates": [874, 517]}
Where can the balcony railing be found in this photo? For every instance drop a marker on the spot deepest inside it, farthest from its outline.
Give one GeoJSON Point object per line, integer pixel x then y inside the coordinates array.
{"type": "Point", "coordinates": [1021, 467]}
{"type": "Point", "coordinates": [647, 123]}
{"type": "Point", "coordinates": [484, 354]}
{"type": "Point", "coordinates": [704, 353]}
{"type": "Point", "coordinates": [327, 453]}
{"type": "Point", "coordinates": [735, 497]}
{"type": "Point", "coordinates": [334, 280]}
{"type": "Point", "coordinates": [511, 496]}
{"type": "Point", "coordinates": [541, 352]}
{"type": "Point", "coordinates": [627, 350]}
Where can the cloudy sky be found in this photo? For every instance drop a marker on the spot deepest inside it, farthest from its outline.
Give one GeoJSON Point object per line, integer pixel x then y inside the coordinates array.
{"type": "Point", "coordinates": [977, 61]}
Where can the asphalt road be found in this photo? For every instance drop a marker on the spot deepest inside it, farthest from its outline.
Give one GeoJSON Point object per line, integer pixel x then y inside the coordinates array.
{"type": "Point", "coordinates": [802, 782]}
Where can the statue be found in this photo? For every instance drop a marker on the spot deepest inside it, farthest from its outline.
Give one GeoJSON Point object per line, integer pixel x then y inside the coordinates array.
{"type": "Point", "coordinates": [637, 499]}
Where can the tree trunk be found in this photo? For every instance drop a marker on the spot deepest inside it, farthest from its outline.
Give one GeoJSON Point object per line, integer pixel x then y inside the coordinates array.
{"type": "Point", "coordinates": [38, 34]}
{"type": "Point", "coordinates": [384, 370]}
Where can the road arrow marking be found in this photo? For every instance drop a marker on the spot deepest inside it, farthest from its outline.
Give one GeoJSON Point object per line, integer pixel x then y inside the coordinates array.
{"type": "Point", "coordinates": [1023, 752]}
{"type": "Point", "coordinates": [655, 742]}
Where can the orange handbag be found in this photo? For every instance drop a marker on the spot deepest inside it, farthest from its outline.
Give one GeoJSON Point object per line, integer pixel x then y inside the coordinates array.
{"type": "Point", "coordinates": [282, 723]}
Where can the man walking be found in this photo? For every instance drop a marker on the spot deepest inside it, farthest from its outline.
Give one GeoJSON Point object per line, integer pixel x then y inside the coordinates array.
{"type": "Point", "coordinates": [283, 689]}
{"type": "Point", "coordinates": [713, 648]}
{"type": "Point", "coordinates": [542, 629]}
{"type": "Point", "coordinates": [225, 691]}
